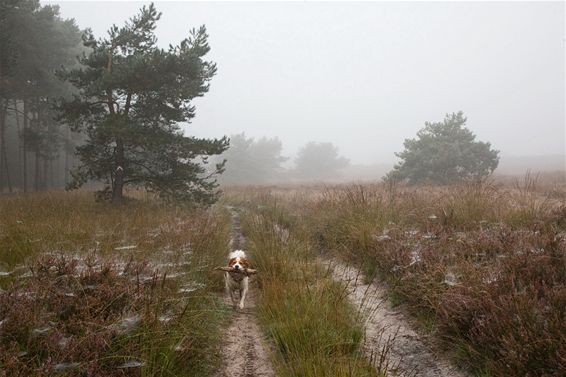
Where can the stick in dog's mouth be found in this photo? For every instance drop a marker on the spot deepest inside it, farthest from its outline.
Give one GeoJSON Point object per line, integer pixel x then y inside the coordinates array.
{"type": "Point", "coordinates": [245, 271]}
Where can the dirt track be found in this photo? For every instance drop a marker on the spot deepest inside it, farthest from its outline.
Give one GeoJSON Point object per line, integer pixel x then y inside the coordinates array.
{"type": "Point", "coordinates": [244, 352]}
{"type": "Point", "coordinates": [409, 353]}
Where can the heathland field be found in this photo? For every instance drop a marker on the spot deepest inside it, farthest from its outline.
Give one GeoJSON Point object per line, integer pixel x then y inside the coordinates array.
{"type": "Point", "coordinates": [93, 289]}
{"type": "Point", "coordinates": [135, 242]}
{"type": "Point", "coordinates": [476, 273]}
{"type": "Point", "coordinates": [479, 269]}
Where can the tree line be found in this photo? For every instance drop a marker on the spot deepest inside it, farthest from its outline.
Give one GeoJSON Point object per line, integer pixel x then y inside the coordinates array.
{"type": "Point", "coordinates": [442, 153]}
{"type": "Point", "coordinates": [261, 161]}
{"type": "Point", "coordinates": [77, 109]}
{"type": "Point", "coordinates": [36, 150]}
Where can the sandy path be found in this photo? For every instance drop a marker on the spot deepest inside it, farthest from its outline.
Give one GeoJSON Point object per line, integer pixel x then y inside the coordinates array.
{"type": "Point", "coordinates": [409, 353]}
{"type": "Point", "coordinates": [244, 352]}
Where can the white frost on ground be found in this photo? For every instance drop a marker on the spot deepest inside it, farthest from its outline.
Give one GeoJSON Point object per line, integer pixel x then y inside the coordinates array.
{"type": "Point", "coordinates": [129, 247]}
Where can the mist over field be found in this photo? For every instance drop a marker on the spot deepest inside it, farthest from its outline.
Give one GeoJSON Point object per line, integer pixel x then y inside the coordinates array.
{"type": "Point", "coordinates": [282, 189]}
{"type": "Point", "coordinates": [358, 79]}
{"type": "Point", "coordinates": [365, 76]}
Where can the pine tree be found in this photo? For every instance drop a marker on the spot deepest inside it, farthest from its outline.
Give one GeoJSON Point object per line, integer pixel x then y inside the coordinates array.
{"type": "Point", "coordinates": [133, 95]}
{"type": "Point", "coordinates": [443, 153]}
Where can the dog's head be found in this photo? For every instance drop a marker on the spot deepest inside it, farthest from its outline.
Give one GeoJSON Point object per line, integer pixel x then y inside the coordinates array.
{"type": "Point", "coordinates": [238, 260]}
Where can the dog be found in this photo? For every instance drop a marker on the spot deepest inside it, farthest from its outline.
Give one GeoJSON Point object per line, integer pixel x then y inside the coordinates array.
{"type": "Point", "coordinates": [237, 281]}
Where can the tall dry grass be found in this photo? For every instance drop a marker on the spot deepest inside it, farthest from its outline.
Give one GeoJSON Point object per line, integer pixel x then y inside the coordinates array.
{"type": "Point", "coordinates": [102, 290]}
{"type": "Point", "coordinates": [483, 266]}
{"type": "Point", "coordinates": [307, 315]}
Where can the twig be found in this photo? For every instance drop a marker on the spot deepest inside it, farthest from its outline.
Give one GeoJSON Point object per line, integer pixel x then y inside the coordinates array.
{"type": "Point", "coordinates": [245, 271]}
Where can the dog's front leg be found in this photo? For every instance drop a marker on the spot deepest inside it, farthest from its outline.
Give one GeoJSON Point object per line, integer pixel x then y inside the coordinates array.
{"type": "Point", "coordinates": [229, 290]}
{"type": "Point", "coordinates": [243, 292]}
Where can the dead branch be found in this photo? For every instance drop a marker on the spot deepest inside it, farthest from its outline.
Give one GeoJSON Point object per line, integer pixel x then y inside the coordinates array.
{"type": "Point", "coordinates": [245, 271]}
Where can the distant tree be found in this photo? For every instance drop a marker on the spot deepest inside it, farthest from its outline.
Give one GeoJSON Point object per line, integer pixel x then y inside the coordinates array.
{"type": "Point", "coordinates": [443, 153]}
{"type": "Point", "coordinates": [319, 161]}
{"type": "Point", "coordinates": [252, 161]}
{"type": "Point", "coordinates": [132, 97]}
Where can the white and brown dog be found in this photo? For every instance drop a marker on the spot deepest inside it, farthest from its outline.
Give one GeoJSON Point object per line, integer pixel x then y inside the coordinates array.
{"type": "Point", "coordinates": [237, 281]}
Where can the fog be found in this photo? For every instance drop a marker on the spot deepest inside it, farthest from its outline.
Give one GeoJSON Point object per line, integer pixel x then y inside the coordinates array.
{"type": "Point", "coordinates": [365, 76]}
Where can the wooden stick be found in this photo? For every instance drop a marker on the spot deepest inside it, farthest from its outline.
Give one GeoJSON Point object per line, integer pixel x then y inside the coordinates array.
{"type": "Point", "coordinates": [245, 271]}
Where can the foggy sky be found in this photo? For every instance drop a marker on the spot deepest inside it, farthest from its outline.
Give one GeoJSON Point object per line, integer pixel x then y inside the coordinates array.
{"type": "Point", "coordinates": [365, 76]}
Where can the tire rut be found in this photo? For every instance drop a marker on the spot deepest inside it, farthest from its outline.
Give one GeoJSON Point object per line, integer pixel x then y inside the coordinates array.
{"type": "Point", "coordinates": [244, 352]}
{"type": "Point", "coordinates": [408, 353]}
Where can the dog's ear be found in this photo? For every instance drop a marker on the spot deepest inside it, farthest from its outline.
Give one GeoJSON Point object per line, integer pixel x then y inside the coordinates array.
{"type": "Point", "coordinates": [244, 262]}
{"type": "Point", "coordinates": [232, 262]}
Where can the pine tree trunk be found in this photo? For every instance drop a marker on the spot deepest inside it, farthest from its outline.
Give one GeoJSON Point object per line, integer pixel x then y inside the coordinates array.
{"type": "Point", "coordinates": [37, 126]}
{"type": "Point", "coordinates": [117, 192]}
{"type": "Point", "coordinates": [8, 179]}
{"type": "Point", "coordinates": [4, 167]}
{"type": "Point", "coordinates": [44, 183]}
{"type": "Point", "coordinates": [17, 117]}
{"type": "Point", "coordinates": [36, 172]}
{"type": "Point", "coordinates": [2, 145]}
{"type": "Point", "coordinates": [66, 146]}
{"type": "Point", "coordinates": [24, 157]}
{"type": "Point", "coordinates": [56, 173]}
{"type": "Point", "coordinates": [7, 167]}
{"type": "Point", "coordinates": [66, 167]}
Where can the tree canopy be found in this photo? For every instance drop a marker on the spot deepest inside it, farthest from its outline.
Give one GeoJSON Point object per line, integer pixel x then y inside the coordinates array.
{"type": "Point", "coordinates": [319, 161]}
{"type": "Point", "coordinates": [443, 153]}
{"type": "Point", "coordinates": [133, 95]}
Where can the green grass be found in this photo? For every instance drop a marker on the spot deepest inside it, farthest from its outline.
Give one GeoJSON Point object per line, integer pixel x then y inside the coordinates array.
{"type": "Point", "coordinates": [302, 310]}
